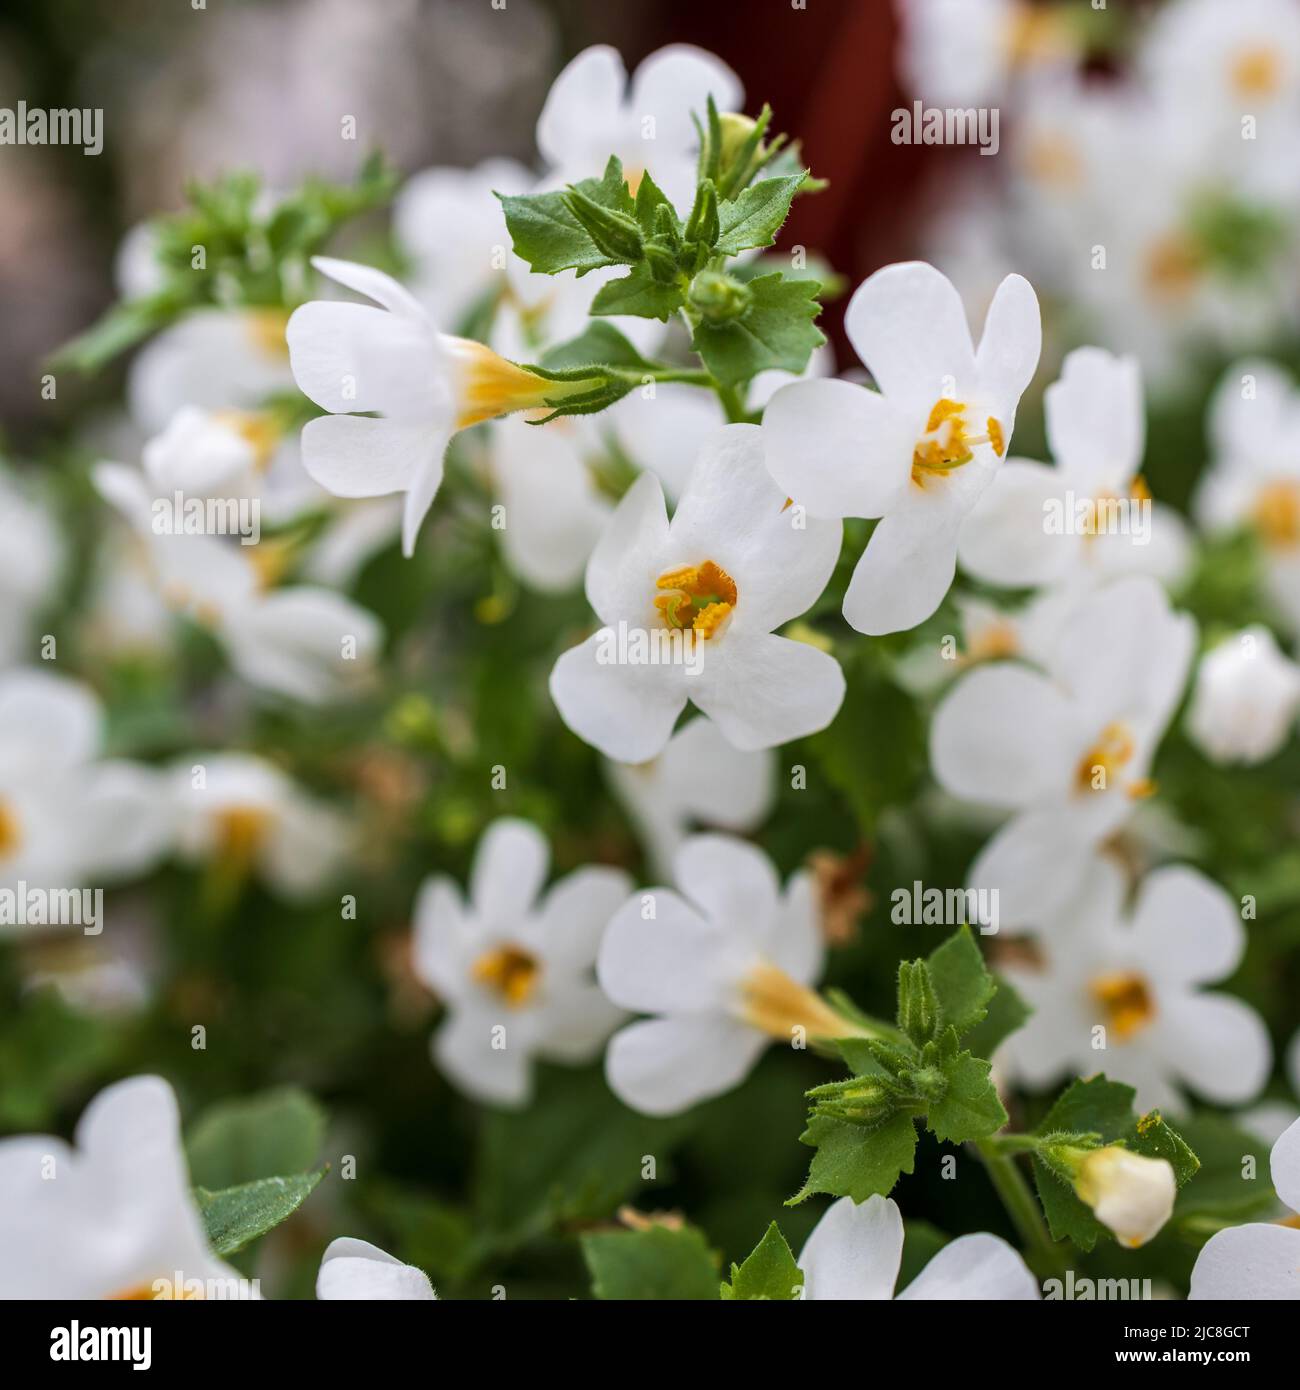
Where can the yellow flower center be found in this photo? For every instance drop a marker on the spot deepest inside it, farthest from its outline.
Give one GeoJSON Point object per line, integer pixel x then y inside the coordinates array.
{"type": "Point", "coordinates": [1276, 513]}
{"type": "Point", "coordinates": [1035, 34]}
{"type": "Point", "coordinates": [777, 1005]}
{"type": "Point", "coordinates": [265, 329]}
{"type": "Point", "coordinates": [1101, 764]}
{"type": "Point", "coordinates": [1127, 1002]}
{"type": "Point", "coordinates": [1173, 266]}
{"type": "Point", "coordinates": [994, 642]}
{"type": "Point", "coordinates": [10, 833]}
{"type": "Point", "coordinates": [698, 597]}
{"type": "Point", "coordinates": [240, 833]}
{"type": "Point", "coordinates": [509, 971]}
{"type": "Point", "coordinates": [947, 442]}
{"type": "Point", "coordinates": [1256, 72]}
{"type": "Point", "coordinates": [1054, 160]}
{"type": "Point", "coordinates": [258, 429]}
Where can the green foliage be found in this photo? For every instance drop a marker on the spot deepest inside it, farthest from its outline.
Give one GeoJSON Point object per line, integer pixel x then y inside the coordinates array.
{"type": "Point", "coordinates": [776, 332]}
{"type": "Point", "coordinates": [657, 1263]}
{"type": "Point", "coordinates": [237, 1141]}
{"type": "Point", "coordinates": [236, 1216]}
{"type": "Point", "coordinates": [769, 1272]}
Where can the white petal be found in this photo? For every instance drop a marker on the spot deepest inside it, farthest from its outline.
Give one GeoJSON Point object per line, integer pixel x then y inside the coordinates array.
{"type": "Point", "coordinates": [732, 882]}
{"type": "Point", "coordinates": [904, 573]}
{"type": "Point", "coordinates": [676, 81]}
{"type": "Point", "coordinates": [662, 1066]}
{"type": "Point", "coordinates": [1038, 862]}
{"type": "Point", "coordinates": [838, 449]}
{"type": "Point", "coordinates": [424, 488]}
{"type": "Point", "coordinates": [573, 1021]}
{"type": "Point", "coordinates": [587, 93]}
{"type": "Point", "coordinates": [1003, 736]}
{"type": "Point", "coordinates": [626, 711]}
{"type": "Point", "coordinates": [573, 917]}
{"type": "Point", "coordinates": [1285, 1166]}
{"type": "Point", "coordinates": [715, 782]}
{"type": "Point", "coordinates": [854, 1251]}
{"type": "Point", "coordinates": [764, 690]}
{"type": "Point", "coordinates": [48, 723]}
{"type": "Point", "coordinates": [374, 284]}
{"type": "Point", "coordinates": [1009, 348]}
{"type": "Point", "coordinates": [974, 1267]}
{"type": "Point", "coordinates": [467, 1048]}
{"type": "Point", "coordinates": [1096, 423]}
{"type": "Point", "coordinates": [1005, 539]}
{"type": "Point", "coordinates": [1187, 927]}
{"type": "Point", "coordinates": [355, 1269]}
{"type": "Point", "coordinates": [510, 867]}
{"type": "Point", "coordinates": [1252, 1262]}
{"type": "Point", "coordinates": [796, 943]}
{"type": "Point", "coordinates": [357, 456]}
{"type": "Point", "coordinates": [626, 561]}
{"type": "Point", "coordinates": [442, 936]}
{"type": "Point", "coordinates": [1217, 1044]}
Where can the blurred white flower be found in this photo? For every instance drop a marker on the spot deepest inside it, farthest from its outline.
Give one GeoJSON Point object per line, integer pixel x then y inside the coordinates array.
{"type": "Point", "coordinates": [699, 778]}
{"type": "Point", "coordinates": [854, 1252]}
{"type": "Point", "coordinates": [1067, 751]}
{"type": "Point", "coordinates": [356, 1270]}
{"type": "Point", "coordinates": [1258, 1260]}
{"type": "Point", "coordinates": [593, 111]}
{"type": "Point", "coordinates": [919, 452]}
{"type": "Point", "coordinates": [1245, 699]}
{"type": "Point", "coordinates": [112, 1217]}
{"type": "Point", "coordinates": [1139, 976]}
{"type": "Point", "coordinates": [242, 815]}
{"type": "Point", "coordinates": [725, 966]}
{"type": "Point", "coordinates": [1254, 477]}
{"type": "Point", "coordinates": [31, 560]}
{"type": "Point", "coordinates": [514, 965]}
{"type": "Point", "coordinates": [67, 815]}
{"type": "Point", "coordinates": [734, 563]}
{"type": "Point", "coordinates": [423, 385]}
{"type": "Point", "coordinates": [1096, 429]}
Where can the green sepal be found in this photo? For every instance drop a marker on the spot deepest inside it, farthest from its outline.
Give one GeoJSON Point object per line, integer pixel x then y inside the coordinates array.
{"type": "Point", "coordinates": [769, 1271]}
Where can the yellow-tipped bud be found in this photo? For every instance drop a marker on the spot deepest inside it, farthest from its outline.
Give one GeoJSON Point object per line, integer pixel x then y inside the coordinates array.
{"type": "Point", "coordinates": [1129, 1193]}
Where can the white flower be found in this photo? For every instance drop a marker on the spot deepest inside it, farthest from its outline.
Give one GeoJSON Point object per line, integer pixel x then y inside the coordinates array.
{"type": "Point", "coordinates": [1254, 480]}
{"type": "Point", "coordinates": [66, 816]}
{"type": "Point", "coordinates": [215, 359]}
{"type": "Point", "coordinates": [919, 452]}
{"type": "Point", "coordinates": [854, 1253]}
{"type": "Point", "coordinates": [554, 510]}
{"type": "Point", "coordinates": [112, 1217]}
{"type": "Point", "coordinates": [1096, 428]}
{"type": "Point", "coordinates": [1067, 752]}
{"type": "Point", "coordinates": [513, 967]}
{"type": "Point", "coordinates": [300, 641]}
{"type": "Point", "coordinates": [392, 362]}
{"type": "Point", "coordinates": [30, 563]}
{"type": "Point", "coordinates": [1140, 976]}
{"type": "Point", "coordinates": [735, 563]}
{"type": "Point", "coordinates": [724, 965]}
{"type": "Point", "coordinates": [699, 777]}
{"type": "Point", "coordinates": [244, 815]}
{"type": "Point", "coordinates": [1131, 1194]}
{"type": "Point", "coordinates": [1245, 699]}
{"type": "Point", "coordinates": [356, 1270]}
{"type": "Point", "coordinates": [1258, 1260]}
{"type": "Point", "coordinates": [592, 111]}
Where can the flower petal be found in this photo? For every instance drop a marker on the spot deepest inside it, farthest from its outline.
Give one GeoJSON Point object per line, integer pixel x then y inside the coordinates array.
{"type": "Point", "coordinates": [733, 883]}
{"type": "Point", "coordinates": [677, 80]}
{"type": "Point", "coordinates": [854, 1251]}
{"type": "Point", "coordinates": [1005, 540]}
{"type": "Point", "coordinates": [1187, 927]}
{"type": "Point", "coordinates": [574, 914]}
{"type": "Point", "coordinates": [626, 561]}
{"type": "Point", "coordinates": [904, 573]}
{"type": "Point", "coordinates": [355, 1269]}
{"type": "Point", "coordinates": [1285, 1166]}
{"type": "Point", "coordinates": [374, 284]}
{"type": "Point", "coordinates": [662, 1066]}
{"type": "Point", "coordinates": [1009, 348]}
{"type": "Point", "coordinates": [510, 867]}
{"type": "Point", "coordinates": [587, 93]}
{"type": "Point", "coordinates": [357, 456]}
{"type": "Point", "coordinates": [1216, 1043]}
{"type": "Point", "coordinates": [1254, 1262]}
{"type": "Point", "coordinates": [974, 1267]}
{"type": "Point", "coordinates": [487, 1054]}
{"type": "Point", "coordinates": [1096, 422]}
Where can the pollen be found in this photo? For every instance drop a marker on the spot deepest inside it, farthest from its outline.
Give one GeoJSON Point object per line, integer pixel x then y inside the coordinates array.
{"type": "Point", "coordinates": [510, 972]}
{"type": "Point", "coordinates": [1256, 72]}
{"type": "Point", "coordinates": [1126, 1001]}
{"type": "Point", "coordinates": [699, 597]}
{"type": "Point", "coordinates": [946, 443]}
{"type": "Point", "coordinates": [10, 835]}
{"type": "Point", "coordinates": [241, 831]}
{"type": "Point", "coordinates": [1100, 764]}
{"type": "Point", "coordinates": [1276, 513]}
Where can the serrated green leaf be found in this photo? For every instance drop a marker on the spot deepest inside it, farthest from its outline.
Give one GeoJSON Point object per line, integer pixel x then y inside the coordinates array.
{"type": "Point", "coordinates": [1007, 1012]}
{"type": "Point", "coordinates": [236, 1141]}
{"type": "Point", "coordinates": [658, 1263]}
{"type": "Point", "coordinates": [1153, 1138]}
{"type": "Point", "coordinates": [639, 294]}
{"type": "Point", "coordinates": [962, 982]}
{"type": "Point", "coordinates": [598, 345]}
{"type": "Point", "coordinates": [235, 1216]}
{"type": "Point", "coordinates": [547, 235]}
{"type": "Point", "coordinates": [853, 1161]}
{"type": "Point", "coordinates": [1092, 1106]}
{"type": "Point", "coordinates": [768, 1272]}
{"type": "Point", "coordinates": [756, 215]}
{"type": "Point", "coordinates": [776, 331]}
{"type": "Point", "coordinates": [970, 1107]}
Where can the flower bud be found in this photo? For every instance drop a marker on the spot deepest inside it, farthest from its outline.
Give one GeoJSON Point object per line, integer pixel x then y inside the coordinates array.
{"type": "Point", "coordinates": [718, 298]}
{"type": "Point", "coordinates": [1245, 699]}
{"type": "Point", "coordinates": [1129, 1193]}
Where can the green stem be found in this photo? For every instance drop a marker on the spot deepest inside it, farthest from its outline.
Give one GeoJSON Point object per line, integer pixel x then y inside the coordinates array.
{"type": "Point", "coordinates": [1041, 1252]}
{"type": "Point", "coordinates": [733, 403]}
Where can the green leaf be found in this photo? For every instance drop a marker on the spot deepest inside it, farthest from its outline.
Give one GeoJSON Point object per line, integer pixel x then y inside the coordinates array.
{"type": "Point", "coordinates": [598, 345]}
{"type": "Point", "coordinates": [776, 331]}
{"type": "Point", "coordinates": [657, 1263]}
{"type": "Point", "coordinates": [639, 294]}
{"type": "Point", "coordinates": [853, 1161]}
{"type": "Point", "coordinates": [550, 238]}
{"type": "Point", "coordinates": [236, 1141]}
{"type": "Point", "coordinates": [969, 1108]}
{"type": "Point", "coordinates": [768, 1272]}
{"type": "Point", "coordinates": [1095, 1106]}
{"type": "Point", "coordinates": [962, 982]}
{"type": "Point", "coordinates": [236, 1215]}
{"type": "Point", "coordinates": [1153, 1138]}
{"type": "Point", "coordinates": [1226, 1154]}
{"type": "Point", "coordinates": [1067, 1217]}
{"type": "Point", "coordinates": [1007, 1012]}
{"type": "Point", "coordinates": [755, 217]}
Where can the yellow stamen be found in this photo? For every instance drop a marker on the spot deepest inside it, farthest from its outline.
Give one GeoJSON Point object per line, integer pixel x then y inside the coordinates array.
{"type": "Point", "coordinates": [240, 833]}
{"type": "Point", "coordinates": [777, 1005]}
{"type": "Point", "coordinates": [945, 444]}
{"type": "Point", "coordinates": [1256, 72]}
{"type": "Point", "coordinates": [258, 429]}
{"type": "Point", "coordinates": [1276, 513]}
{"type": "Point", "coordinates": [266, 331]}
{"type": "Point", "coordinates": [1104, 759]}
{"type": "Point", "coordinates": [699, 597]}
{"type": "Point", "coordinates": [10, 834]}
{"type": "Point", "coordinates": [510, 971]}
{"type": "Point", "coordinates": [993, 643]}
{"type": "Point", "coordinates": [1127, 1002]}
{"type": "Point", "coordinates": [996, 439]}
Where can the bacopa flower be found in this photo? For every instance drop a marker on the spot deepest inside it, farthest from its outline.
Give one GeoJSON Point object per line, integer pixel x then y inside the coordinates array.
{"type": "Point", "coordinates": [592, 112]}
{"type": "Point", "coordinates": [355, 1270]}
{"type": "Point", "coordinates": [1245, 698]}
{"type": "Point", "coordinates": [66, 814]}
{"type": "Point", "coordinates": [724, 963]}
{"type": "Point", "coordinates": [244, 816]}
{"type": "Point", "coordinates": [689, 607]}
{"type": "Point", "coordinates": [1090, 515]}
{"type": "Point", "coordinates": [391, 362]}
{"type": "Point", "coordinates": [1067, 751]}
{"type": "Point", "coordinates": [919, 452]}
{"type": "Point", "coordinates": [111, 1217]}
{"type": "Point", "coordinates": [514, 966]}
{"type": "Point", "coordinates": [1130, 1193]}
{"type": "Point", "coordinates": [1259, 1260]}
{"type": "Point", "coordinates": [1125, 991]}
{"type": "Point", "coordinates": [854, 1252]}
{"type": "Point", "coordinates": [699, 778]}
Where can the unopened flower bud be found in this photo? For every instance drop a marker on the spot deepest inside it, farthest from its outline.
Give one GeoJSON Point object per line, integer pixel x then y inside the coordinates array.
{"type": "Point", "coordinates": [1129, 1193]}
{"type": "Point", "coordinates": [719, 298]}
